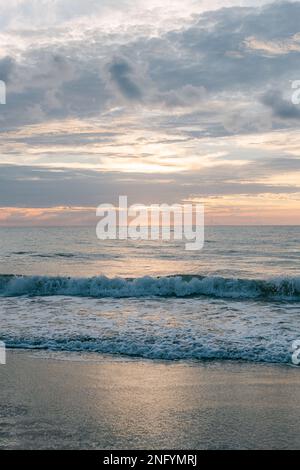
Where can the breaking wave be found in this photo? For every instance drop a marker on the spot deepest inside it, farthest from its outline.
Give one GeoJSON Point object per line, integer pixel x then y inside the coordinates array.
{"type": "Point", "coordinates": [285, 288]}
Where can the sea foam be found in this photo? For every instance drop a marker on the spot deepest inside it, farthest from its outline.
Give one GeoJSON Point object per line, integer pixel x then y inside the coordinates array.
{"type": "Point", "coordinates": [287, 288]}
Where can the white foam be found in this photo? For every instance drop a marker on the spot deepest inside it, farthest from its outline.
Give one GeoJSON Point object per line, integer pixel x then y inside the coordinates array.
{"type": "Point", "coordinates": [170, 286]}
{"type": "Point", "coordinates": [172, 329]}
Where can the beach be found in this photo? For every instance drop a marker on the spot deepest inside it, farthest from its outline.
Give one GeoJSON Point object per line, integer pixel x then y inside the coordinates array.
{"type": "Point", "coordinates": [51, 401]}
{"type": "Point", "coordinates": [150, 225]}
{"type": "Point", "coordinates": [147, 346]}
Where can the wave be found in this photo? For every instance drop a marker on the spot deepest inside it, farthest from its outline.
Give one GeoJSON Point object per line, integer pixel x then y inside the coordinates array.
{"type": "Point", "coordinates": [283, 288]}
{"type": "Point", "coordinates": [129, 347]}
{"type": "Point", "coordinates": [32, 254]}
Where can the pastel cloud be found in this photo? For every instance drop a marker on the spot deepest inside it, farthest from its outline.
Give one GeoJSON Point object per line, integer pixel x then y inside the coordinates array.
{"type": "Point", "coordinates": [102, 94]}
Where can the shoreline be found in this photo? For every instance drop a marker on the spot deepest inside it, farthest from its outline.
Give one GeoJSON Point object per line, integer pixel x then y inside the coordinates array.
{"type": "Point", "coordinates": [107, 403]}
{"type": "Point", "coordinates": [94, 357]}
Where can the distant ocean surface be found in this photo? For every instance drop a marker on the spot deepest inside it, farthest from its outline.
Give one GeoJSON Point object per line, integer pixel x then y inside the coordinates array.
{"type": "Point", "coordinates": [61, 289]}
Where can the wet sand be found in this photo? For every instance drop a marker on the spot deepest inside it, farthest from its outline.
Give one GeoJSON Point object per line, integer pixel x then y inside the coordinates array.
{"type": "Point", "coordinates": [50, 403]}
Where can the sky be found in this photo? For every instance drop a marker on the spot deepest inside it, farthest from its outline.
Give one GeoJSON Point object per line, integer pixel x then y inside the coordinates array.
{"type": "Point", "coordinates": [166, 102]}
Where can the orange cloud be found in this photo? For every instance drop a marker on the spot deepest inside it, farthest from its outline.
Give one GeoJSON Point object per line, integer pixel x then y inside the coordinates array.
{"type": "Point", "coordinates": [262, 209]}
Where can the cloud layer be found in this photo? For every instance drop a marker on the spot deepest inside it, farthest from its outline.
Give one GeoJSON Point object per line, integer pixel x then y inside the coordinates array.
{"type": "Point", "coordinates": [102, 94]}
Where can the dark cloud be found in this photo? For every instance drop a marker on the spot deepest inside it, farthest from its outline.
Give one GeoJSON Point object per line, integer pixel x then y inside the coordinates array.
{"type": "Point", "coordinates": [122, 74]}
{"type": "Point", "coordinates": [213, 52]}
{"type": "Point", "coordinates": [7, 65]}
{"type": "Point", "coordinates": [29, 186]}
{"type": "Point", "coordinates": [202, 63]}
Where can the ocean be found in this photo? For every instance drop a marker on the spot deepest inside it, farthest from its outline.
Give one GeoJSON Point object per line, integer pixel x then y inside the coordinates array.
{"type": "Point", "coordinates": [62, 289]}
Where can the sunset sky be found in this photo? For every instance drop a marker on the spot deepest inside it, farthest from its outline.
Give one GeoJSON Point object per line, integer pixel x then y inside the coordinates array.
{"type": "Point", "coordinates": [163, 101]}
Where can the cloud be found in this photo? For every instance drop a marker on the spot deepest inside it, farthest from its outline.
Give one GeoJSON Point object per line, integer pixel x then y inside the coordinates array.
{"type": "Point", "coordinates": [7, 65]}
{"type": "Point", "coordinates": [284, 46]}
{"type": "Point", "coordinates": [38, 187]}
{"type": "Point", "coordinates": [206, 65]}
{"type": "Point", "coordinates": [96, 90]}
{"type": "Point", "coordinates": [122, 74]}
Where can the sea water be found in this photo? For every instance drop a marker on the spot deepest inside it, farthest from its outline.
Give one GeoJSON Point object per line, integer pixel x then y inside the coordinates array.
{"type": "Point", "coordinates": [62, 289]}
